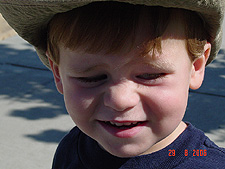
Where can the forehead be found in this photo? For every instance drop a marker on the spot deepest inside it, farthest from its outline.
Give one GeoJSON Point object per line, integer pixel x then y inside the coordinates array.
{"type": "Point", "coordinates": [173, 51]}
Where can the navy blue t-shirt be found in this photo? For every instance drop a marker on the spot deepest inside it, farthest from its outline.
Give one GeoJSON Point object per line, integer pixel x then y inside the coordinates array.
{"type": "Point", "coordinates": [192, 149]}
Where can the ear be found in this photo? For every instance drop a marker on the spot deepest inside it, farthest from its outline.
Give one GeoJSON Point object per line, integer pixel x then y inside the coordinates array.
{"type": "Point", "coordinates": [56, 74]}
{"type": "Point", "coordinates": [198, 68]}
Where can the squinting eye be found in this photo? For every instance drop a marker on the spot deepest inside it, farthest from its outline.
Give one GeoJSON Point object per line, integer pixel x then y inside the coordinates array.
{"type": "Point", "coordinates": [92, 79]}
{"type": "Point", "coordinates": [148, 76]}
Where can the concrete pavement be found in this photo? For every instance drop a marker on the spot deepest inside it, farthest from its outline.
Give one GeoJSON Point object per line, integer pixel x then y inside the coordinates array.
{"type": "Point", "coordinates": [33, 118]}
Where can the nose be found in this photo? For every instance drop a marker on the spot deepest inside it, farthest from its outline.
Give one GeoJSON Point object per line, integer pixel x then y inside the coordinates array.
{"type": "Point", "coordinates": [121, 97]}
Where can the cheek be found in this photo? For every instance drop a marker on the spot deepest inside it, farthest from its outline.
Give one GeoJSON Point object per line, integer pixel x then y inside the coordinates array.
{"type": "Point", "coordinates": [165, 111]}
{"type": "Point", "coordinates": [168, 103]}
{"type": "Point", "coordinates": [175, 95]}
{"type": "Point", "coordinates": [80, 103]}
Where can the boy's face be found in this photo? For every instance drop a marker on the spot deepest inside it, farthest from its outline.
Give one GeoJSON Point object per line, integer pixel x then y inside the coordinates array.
{"type": "Point", "coordinates": [127, 102]}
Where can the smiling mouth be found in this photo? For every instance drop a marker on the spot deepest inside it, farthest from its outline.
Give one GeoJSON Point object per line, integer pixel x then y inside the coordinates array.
{"type": "Point", "coordinates": [125, 125]}
{"type": "Point", "coordinates": [123, 129]}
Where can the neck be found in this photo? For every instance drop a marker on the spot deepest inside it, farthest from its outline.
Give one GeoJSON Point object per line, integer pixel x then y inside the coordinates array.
{"type": "Point", "coordinates": [169, 139]}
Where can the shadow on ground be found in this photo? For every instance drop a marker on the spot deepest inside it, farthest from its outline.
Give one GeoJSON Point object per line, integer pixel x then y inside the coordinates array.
{"type": "Point", "coordinates": [29, 89]}
{"type": "Point", "coordinates": [48, 136]}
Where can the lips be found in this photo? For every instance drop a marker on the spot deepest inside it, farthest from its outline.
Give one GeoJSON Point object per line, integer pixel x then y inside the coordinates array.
{"type": "Point", "coordinates": [126, 129]}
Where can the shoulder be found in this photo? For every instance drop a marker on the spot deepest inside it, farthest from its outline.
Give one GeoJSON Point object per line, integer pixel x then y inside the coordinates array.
{"type": "Point", "coordinates": [214, 149]}
{"type": "Point", "coordinates": [67, 149]}
{"type": "Point", "coordinates": [203, 153]}
{"type": "Point", "coordinates": [205, 157]}
{"type": "Point", "coordinates": [69, 139]}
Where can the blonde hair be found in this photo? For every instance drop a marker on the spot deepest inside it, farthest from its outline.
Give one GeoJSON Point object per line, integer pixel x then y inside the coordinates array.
{"type": "Point", "coordinates": [108, 25]}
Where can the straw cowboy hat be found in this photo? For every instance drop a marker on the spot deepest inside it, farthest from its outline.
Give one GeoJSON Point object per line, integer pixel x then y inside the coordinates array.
{"type": "Point", "coordinates": [29, 18]}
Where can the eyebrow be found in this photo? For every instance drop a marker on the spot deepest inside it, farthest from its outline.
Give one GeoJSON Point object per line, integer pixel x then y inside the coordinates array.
{"type": "Point", "coordinates": [87, 70]}
{"type": "Point", "coordinates": [158, 63]}
{"type": "Point", "coordinates": [161, 64]}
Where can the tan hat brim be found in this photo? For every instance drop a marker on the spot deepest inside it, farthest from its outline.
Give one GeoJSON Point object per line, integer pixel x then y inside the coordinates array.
{"type": "Point", "coordinates": [30, 18]}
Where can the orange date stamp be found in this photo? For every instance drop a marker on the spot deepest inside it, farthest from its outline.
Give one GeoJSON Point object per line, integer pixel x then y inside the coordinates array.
{"type": "Point", "coordinates": [194, 152]}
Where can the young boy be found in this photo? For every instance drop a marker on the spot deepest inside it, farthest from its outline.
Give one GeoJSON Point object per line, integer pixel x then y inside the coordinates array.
{"type": "Point", "coordinates": [125, 71]}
